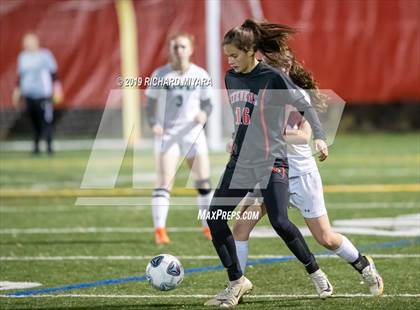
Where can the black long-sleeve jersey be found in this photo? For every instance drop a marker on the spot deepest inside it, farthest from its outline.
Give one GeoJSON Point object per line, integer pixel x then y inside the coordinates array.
{"type": "Point", "coordinates": [258, 100]}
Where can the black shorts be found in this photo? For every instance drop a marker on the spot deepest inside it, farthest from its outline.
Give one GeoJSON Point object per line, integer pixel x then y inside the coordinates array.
{"type": "Point", "coordinates": [246, 178]}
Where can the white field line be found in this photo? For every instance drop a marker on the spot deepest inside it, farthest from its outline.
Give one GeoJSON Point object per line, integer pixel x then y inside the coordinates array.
{"type": "Point", "coordinates": [77, 145]}
{"type": "Point", "coordinates": [209, 296]}
{"type": "Point", "coordinates": [85, 230]}
{"type": "Point", "coordinates": [184, 257]}
{"type": "Point", "coordinates": [183, 205]}
{"type": "Point", "coordinates": [260, 232]}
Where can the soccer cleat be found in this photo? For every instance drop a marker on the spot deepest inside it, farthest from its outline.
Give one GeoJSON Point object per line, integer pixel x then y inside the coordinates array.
{"type": "Point", "coordinates": [207, 233]}
{"type": "Point", "coordinates": [323, 287]}
{"type": "Point", "coordinates": [161, 237]}
{"type": "Point", "coordinates": [231, 295]}
{"type": "Point", "coordinates": [371, 276]}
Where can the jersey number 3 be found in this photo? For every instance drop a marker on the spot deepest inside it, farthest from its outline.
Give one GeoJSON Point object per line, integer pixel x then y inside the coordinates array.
{"type": "Point", "coordinates": [242, 118]}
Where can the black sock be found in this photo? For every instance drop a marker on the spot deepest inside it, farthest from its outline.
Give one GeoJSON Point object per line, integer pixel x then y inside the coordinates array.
{"type": "Point", "coordinates": [301, 251]}
{"type": "Point", "coordinates": [227, 254]}
{"type": "Point", "coordinates": [234, 271]}
{"type": "Point", "coordinates": [360, 263]}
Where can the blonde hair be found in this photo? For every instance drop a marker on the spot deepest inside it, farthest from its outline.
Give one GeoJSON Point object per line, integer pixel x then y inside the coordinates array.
{"type": "Point", "coordinates": [187, 35]}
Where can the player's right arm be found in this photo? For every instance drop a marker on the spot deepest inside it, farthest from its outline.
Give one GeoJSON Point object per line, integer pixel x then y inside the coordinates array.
{"type": "Point", "coordinates": [229, 144]}
{"type": "Point", "coordinates": [152, 95]}
{"type": "Point", "coordinates": [151, 104]}
{"type": "Point", "coordinates": [299, 102]}
{"type": "Point", "coordinates": [298, 136]}
{"type": "Point", "coordinates": [16, 95]}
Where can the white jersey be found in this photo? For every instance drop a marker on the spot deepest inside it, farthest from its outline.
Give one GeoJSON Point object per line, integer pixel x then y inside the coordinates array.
{"type": "Point", "coordinates": [179, 98]}
{"type": "Point", "coordinates": [299, 156]}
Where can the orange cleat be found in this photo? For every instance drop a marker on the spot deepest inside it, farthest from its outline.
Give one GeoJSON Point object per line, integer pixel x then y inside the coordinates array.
{"type": "Point", "coordinates": [207, 233]}
{"type": "Point", "coordinates": [161, 237]}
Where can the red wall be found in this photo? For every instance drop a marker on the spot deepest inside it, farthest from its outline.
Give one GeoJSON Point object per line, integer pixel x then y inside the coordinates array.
{"type": "Point", "coordinates": [363, 50]}
{"type": "Point", "coordinates": [366, 51]}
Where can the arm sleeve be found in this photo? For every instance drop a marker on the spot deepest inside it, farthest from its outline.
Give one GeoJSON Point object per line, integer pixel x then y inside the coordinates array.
{"type": "Point", "coordinates": [205, 96]}
{"type": "Point", "coordinates": [296, 99]}
{"type": "Point", "coordinates": [51, 62]}
{"type": "Point", "coordinates": [311, 116]}
{"type": "Point", "coordinates": [230, 103]}
{"type": "Point", "coordinates": [205, 90]}
{"type": "Point", "coordinates": [151, 111]}
{"type": "Point", "coordinates": [206, 106]}
{"type": "Point", "coordinates": [153, 91]}
{"type": "Point", "coordinates": [19, 69]}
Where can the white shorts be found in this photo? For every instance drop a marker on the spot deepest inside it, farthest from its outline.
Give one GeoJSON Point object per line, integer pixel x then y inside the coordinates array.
{"type": "Point", "coordinates": [189, 144]}
{"type": "Point", "coordinates": [306, 194]}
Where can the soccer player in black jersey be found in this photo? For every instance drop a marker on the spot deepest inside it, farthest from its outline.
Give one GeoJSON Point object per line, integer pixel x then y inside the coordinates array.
{"type": "Point", "coordinates": [258, 95]}
{"type": "Point", "coordinates": [305, 184]}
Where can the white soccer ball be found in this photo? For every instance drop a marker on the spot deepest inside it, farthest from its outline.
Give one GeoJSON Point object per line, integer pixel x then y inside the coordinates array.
{"type": "Point", "coordinates": [164, 272]}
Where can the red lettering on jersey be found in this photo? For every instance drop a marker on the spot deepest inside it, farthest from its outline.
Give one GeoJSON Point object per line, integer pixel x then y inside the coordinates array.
{"type": "Point", "coordinates": [243, 96]}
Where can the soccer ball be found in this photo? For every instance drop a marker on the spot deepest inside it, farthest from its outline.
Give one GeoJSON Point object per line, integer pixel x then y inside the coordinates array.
{"type": "Point", "coordinates": [164, 272]}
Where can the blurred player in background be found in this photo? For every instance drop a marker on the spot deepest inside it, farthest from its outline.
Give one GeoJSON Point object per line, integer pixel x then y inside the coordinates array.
{"type": "Point", "coordinates": [259, 152]}
{"type": "Point", "coordinates": [305, 183]}
{"type": "Point", "coordinates": [37, 74]}
{"type": "Point", "coordinates": [177, 114]}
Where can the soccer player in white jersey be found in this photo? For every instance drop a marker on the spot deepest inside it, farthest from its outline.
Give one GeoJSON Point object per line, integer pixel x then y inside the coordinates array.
{"type": "Point", "coordinates": [305, 185]}
{"type": "Point", "coordinates": [178, 105]}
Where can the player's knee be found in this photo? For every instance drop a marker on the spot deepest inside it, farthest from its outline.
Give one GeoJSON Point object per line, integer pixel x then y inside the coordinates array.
{"type": "Point", "coordinates": [241, 231]}
{"type": "Point", "coordinates": [203, 186]}
{"type": "Point", "coordinates": [281, 226]}
{"type": "Point", "coordinates": [161, 192]}
{"type": "Point", "coordinates": [204, 191]}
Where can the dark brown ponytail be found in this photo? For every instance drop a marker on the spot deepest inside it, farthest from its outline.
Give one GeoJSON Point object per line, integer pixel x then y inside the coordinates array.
{"type": "Point", "coordinates": [265, 37]}
{"type": "Point", "coordinates": [304, 79]}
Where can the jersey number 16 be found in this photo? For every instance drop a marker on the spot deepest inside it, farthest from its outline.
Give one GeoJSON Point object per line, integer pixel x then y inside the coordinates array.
{"type": "Point", "coordinates": [242, 117]}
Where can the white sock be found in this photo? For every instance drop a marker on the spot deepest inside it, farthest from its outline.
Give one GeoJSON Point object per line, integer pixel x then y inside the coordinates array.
{"type": "Point", "coordinates": [203, 203]}
{"type": "Point", "coordinates": [160, 208]}
{"type": "Point", "coordinates": [347, 250]}
{"type": "Point", "coordinates": [242, 252]}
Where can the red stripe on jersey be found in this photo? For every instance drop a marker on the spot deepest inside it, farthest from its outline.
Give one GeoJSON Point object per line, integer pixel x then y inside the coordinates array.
{"type": "Point", "coordinates": [263, 125]}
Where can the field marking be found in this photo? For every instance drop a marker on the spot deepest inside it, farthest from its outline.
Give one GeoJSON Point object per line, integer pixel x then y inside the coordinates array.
{"type": "Point", "coordinates": [210, 296]}
{"type": "Point", "coordinates": [114, 281]}
{"type": "Point", "coordinates": [75, 192]}
{"type": "Point", "coordinates": [91, 230]}
{"type": "Point", "coordinates": [259, 232]}
{"type": "Point", "coordinates": [182, 257]}
{"type": "Point", "coordinates": [9, 285]}
{"type": "Point", "coordinates": [86, 204]}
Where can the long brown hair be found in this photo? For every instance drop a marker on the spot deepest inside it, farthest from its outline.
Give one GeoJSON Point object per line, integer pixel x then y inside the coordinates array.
{"type": "Point", "coordinates": [265, 37]}
{"type": "Point", "coordinates": [302, 78]}
{"type": "Point", "coordinates": [271, 40]}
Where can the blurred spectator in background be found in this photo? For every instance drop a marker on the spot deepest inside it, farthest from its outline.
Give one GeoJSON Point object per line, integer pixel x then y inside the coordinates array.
{"type": "Point", "coordinates": [37, 79]}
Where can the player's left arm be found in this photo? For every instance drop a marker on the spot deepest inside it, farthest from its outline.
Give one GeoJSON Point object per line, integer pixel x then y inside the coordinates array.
{"type": "Point", "coordinates": [206, 106]}
{"type": "Point", "coordinates": [312, 117]}
{"type": "Point", "coordinates": [205, 111]}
